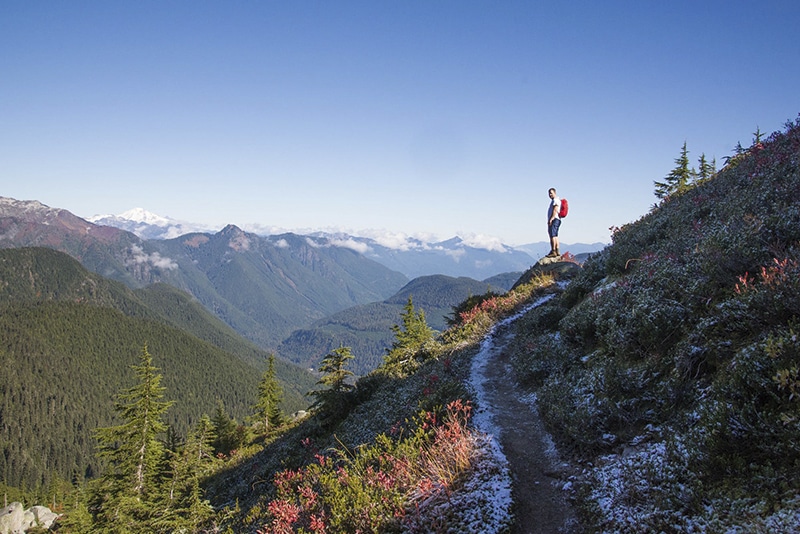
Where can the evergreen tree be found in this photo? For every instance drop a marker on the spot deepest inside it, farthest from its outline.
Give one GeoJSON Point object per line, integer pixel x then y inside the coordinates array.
{"type": "Point", "coordinates": [411, 340]}
{"type": "Point", "coordinates": [706, 170]}
{"type": "Point", "coordinates": [133, 453]}
{"type": "Point", "coordinates": [184, 508]}
{"type": "Point", "coordinates": [758, 136]}
{"type": "Point", "coordinates": [269, 397]}
{"type": "Point", "coordinates": [331, 403]}
{"type": "Point", "coordinates": [229, 435]}
{"type": "Point", "coordinates": [678, 180]}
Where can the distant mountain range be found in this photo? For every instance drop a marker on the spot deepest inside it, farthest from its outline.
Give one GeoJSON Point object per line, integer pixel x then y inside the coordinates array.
{"type": "Point", "coordinates": [408, 255]}
{"type": "Point", "coordinates": [265, 287]}
{"type": "Point", "coordinates": [282, 291]}
{"type": "Point", "coordinates": [148, 225]}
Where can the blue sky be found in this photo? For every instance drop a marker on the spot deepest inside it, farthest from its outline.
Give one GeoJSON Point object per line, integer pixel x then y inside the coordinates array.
{"type": "Point", "coordinates": [411, 117]}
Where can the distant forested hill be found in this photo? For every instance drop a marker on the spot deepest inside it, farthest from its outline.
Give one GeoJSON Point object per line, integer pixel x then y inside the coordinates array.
{"type": "Point", "coordinates": [367, 329]}
{"type": "Point", "coordinates": [266, 287]}
{"type": "Point", "coordinates": [67, 340]}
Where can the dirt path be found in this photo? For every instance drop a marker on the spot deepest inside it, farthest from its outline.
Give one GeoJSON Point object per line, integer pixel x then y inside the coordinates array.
{"type": "Point", "coordinates": [538, 476]}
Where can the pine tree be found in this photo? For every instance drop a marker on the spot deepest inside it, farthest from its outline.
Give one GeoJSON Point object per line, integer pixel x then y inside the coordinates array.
{"type": "Point", "coordinates": [184, 508]}
{"type": "Point", "coordinates": [678, 180]}
{"type": "Point", "coordinates": [411, 340]}
{"type": "Point", "coordinates": [269, 397]}
{"type": "Point", "coordinates": [229, 436]}
{"type": "Point", "coordinates": [706, 170]}
{"type": "Point", "coordinates": [133, 453]}
{"type": "Point", "coordinates": [331, 403]}
{"type": "Point", "coordinates": [758, 136]}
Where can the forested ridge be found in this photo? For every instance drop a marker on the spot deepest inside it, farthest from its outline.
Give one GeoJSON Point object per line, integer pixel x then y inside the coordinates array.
{"type": "Point", "coordinates": [68, 339]}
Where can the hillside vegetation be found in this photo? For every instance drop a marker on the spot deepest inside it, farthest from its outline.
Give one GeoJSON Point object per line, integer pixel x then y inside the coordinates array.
{"type": "Point", "coordinates": [670, 364]}
{"type": "Point", "coordinates": [67, 340]}
{"type": "Point", "coordinates": [367, 329]}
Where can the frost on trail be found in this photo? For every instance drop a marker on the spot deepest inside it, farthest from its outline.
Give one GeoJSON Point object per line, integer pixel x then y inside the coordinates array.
{"type": "Point", "coordinates": [485, 500]}
{"type": "Point", "coordinates": [482, 505]}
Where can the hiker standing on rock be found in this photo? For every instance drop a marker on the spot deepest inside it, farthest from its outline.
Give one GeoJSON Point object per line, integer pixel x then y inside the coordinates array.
{"type": "Point", "coordinates": [553, 222]}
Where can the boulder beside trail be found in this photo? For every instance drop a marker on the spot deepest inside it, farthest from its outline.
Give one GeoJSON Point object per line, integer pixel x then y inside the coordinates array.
{"type": "Point", "coordinates": [14, 519]}
{"type": "Point", "coordinates": [11, 518]}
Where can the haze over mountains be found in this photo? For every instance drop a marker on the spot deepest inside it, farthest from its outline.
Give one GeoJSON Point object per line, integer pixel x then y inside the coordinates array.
{"type": "Point", "coordinates": [475, 257]}
{"type": "Point", "coordinates": [298, 296]}
{"type": "Point", "coordinates": [277, 289]}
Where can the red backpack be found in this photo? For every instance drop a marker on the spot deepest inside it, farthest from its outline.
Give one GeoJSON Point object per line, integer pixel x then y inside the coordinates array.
{"type": "Point", "coordinates": [564, 209]}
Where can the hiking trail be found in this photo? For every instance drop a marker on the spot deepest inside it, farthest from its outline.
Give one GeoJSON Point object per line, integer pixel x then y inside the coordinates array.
{"type": "Point", "coordinates": [540, 503]}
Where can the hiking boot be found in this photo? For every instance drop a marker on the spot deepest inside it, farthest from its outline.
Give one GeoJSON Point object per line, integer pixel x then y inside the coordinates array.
{"type": "Point", "coordinates": [552, 254]}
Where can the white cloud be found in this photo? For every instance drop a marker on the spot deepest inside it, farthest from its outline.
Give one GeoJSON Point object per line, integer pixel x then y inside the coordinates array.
{"type": "Point", "coordinates": [264, 229]}
{"type": "Point", "coordinates": [358, 246]}
{"type": "Point", "coordinates": [486, 242]}
{"type": "Point", "coordinates": [282, 243]}
{"type": "Point", "coordinates": [155, 259]}
{"type": "Point", "coordinates": [398, 240]}
{"type": "Point", "coordinates": [456, 254]}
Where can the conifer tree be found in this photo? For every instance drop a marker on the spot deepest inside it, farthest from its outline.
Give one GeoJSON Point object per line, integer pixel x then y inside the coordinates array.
{"type": "Point", "coordinates": [133, 453]}
{"type": "Point", "coordinates": [758, 136]}
{"type": "Point", "coordinates": [331, 402]}
{"type": "Point", "coordinates": [184, 508]}
{"type": "Point", "coordinates": [678, 180]}
{"type": "Point", "coordinates": [707, 169]}
{"type": "Point", "coordinates": [269, 397]}
{"type": "Point", "coordinates": [228, 435]}
{"type": "Point", "coordinates": [410, 339]}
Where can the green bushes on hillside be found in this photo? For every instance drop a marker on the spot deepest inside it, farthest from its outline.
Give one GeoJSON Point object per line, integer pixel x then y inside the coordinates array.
{"type": "Point", "coordinates": [675, 370]}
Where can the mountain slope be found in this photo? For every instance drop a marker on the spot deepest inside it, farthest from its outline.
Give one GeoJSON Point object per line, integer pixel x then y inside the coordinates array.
{"type": "Point", "coordinates": [67, 340]}
{"type": "Point", "coordinates": [267, 287]}
{"type": "Point", "coordinates": [102, 249]}
{"type": "Point", "coordinates": [367, 329]}
{"type": "Point", "coordinates": [667, 371]}
{"type": "Point", "coordinates": [670, 363]}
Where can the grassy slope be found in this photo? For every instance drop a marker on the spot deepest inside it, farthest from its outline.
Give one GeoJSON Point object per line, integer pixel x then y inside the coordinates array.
{"type": "Point", "coordinates": [671, 362]}
{"type": "Point", "coordinates": [667, 367]}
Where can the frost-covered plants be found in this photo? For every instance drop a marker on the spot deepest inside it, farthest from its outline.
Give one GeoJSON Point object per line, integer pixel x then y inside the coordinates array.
{"type": "Point", "coordinates": [389, 486]}
{"type": "Point", "coordinates": [650, 488]}
{"type": "Point", "coordinates": [475, 316]}
{"type": "Point", "coordinates": [750, 423]}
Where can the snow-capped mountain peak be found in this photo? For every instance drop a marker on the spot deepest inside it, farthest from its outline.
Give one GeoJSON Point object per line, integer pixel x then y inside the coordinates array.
{"type": "Point", "coordinates": [148, 225]}
{"type": "Point", "coordinates": [141, 215]}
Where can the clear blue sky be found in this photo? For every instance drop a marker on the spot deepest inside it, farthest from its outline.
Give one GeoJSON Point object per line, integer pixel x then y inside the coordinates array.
{"type": "Point", "coordinates": [417, 117]}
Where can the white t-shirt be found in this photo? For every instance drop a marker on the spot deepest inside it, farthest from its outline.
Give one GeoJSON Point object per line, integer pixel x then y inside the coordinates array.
{"type": "Point", "coordinates": [555, 204]}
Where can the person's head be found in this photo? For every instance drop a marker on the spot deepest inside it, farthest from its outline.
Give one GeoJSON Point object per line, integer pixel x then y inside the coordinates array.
{"type": "Point", "coordinates": [552, 192]}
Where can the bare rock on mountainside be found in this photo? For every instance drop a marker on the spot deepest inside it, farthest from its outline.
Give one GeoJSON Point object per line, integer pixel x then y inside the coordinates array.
{"type": "Point", "coordinates": [14, 519]}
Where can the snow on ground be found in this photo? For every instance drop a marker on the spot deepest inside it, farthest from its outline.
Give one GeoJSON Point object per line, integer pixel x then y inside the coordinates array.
{"type": "Point", "coordinates": [489, 487]}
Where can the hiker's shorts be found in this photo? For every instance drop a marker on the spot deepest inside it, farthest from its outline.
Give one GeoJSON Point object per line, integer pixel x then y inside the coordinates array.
{"type": "Point", "coordinates": [552, 229]}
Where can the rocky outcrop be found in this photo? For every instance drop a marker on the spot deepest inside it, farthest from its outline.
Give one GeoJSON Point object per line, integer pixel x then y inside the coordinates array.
{"type": "Point", "coordinates": [559, 266]}
{"type": "Point", "coordinates": [14, 519]}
